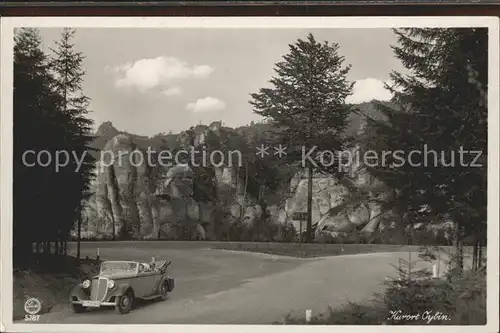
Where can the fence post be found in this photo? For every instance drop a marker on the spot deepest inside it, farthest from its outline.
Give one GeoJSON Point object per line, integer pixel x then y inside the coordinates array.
{"type": "Point", "coordinates": [308, 315]}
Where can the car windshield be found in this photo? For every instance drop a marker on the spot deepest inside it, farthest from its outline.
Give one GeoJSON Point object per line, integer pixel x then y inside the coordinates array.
{"type": "Point", "coordinates": [108, 267]}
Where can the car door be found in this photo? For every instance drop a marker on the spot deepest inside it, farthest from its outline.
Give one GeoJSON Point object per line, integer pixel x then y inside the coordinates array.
{"type": "Point", "coordinates": [146, 283]}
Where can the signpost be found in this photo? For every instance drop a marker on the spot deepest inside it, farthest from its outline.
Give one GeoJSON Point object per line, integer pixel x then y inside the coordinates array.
{"type": "Point", "coordinates": [300, 216]}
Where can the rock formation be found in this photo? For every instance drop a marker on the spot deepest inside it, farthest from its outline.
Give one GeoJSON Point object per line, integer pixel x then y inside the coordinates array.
{"type": "Point", "coordinates": [134, 200]}
{"type": "Point", "coordinates": [123, 199]}
{"type": "Point", "coordinates": [332, 210]}
{"type": "Point", "coordinates": [131, 200]}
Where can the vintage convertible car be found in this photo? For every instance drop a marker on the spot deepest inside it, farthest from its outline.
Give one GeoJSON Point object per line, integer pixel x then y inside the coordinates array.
{"type": "Point", "coordinates": [119, 283]}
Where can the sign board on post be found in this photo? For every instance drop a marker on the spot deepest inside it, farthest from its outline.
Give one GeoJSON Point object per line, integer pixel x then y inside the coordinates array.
{"type": "Point", "coordinates": [299, 216]}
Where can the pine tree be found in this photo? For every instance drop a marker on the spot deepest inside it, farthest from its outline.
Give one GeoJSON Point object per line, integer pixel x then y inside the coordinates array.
{"type": "Point", "coordinates": [307, 103]}
{"type": "Point", "coordinates": [441, 104]}
{"type": "Point", "coordinates": [37, 127]}
{"type": "Point", "coordinates": [67, 68]}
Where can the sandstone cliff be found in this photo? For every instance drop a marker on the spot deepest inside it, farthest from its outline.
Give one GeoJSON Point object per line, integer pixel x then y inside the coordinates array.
{"type": "Point", "coordinates": [134, 200]}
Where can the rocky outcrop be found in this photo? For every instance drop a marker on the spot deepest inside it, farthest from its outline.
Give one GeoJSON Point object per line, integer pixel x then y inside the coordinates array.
{"type": "Point", "coordinates": [123, 199]}
{"type": "Point", "coordinates": [131, 200]}
{"type": "Point", "coordinates": [341, 210]}
{"type": "Point", "coordinates": [337, 208]}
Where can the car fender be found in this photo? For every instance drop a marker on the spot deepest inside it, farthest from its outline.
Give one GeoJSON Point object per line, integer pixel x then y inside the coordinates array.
{"type": "Point", "coordinates": [122, 289]}
{"type": "Point", "coordinates": [79, 292]}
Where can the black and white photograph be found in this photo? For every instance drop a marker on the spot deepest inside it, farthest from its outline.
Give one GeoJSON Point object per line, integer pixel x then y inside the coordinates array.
{"type": "Point", "coordinates": [271, 172]}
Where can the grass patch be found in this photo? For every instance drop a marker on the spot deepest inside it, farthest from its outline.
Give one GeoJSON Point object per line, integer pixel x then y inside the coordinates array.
{"type": "Point", "coordinates": [49, 279]}
{"type": "Point", "coordinates": [310, 250]}
{"type": "Point", "coordinates": [349, 314]}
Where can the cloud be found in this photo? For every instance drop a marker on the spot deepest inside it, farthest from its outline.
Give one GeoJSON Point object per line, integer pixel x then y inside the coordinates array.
{"type": "Point", "coordinates": [173, 91]}
{"type": "Point", "coordinates": [206, 104]}
{"type": "Point", "coordinates": [369, 89]}
{"type": "Point", "coordinates": [150, 73]}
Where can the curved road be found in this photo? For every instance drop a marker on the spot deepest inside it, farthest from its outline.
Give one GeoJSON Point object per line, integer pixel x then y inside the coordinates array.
{"type": "Point", "coordinates": [231, 287]}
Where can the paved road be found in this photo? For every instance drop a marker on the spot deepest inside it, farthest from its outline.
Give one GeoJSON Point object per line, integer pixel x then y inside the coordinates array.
{"type": "Point", "coordinates": [226, 287]}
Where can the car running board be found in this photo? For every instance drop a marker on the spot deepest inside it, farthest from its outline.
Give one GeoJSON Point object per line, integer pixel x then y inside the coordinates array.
{"type": "Point", "coordinates": [147, 298]}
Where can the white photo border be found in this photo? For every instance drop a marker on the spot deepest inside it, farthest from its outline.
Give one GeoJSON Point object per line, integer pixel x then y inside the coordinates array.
{"type": "Point", "coordinates": [6, 177]}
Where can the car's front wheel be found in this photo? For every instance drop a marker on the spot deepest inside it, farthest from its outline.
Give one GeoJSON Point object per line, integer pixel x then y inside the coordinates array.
{"type": "Point", "coordinates": [77, 308]}
{"type": "Point", "coordinates": [124, 303]}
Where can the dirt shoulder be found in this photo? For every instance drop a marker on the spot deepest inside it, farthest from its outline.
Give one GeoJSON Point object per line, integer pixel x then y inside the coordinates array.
{"type": "Point", "coordinates": [48, 279]}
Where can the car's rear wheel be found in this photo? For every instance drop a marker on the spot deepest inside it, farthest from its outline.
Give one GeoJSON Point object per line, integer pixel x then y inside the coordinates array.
{"type": "Point", "coordinates": [164, 290]}
{"type": "Point", "coordinates": [77, 308]}
{"type": "Point", "coordinates": [124, 302]}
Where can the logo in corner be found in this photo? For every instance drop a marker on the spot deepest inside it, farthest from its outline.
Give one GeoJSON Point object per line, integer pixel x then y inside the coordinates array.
{"type": "Point", "coordinates": [32, 306]}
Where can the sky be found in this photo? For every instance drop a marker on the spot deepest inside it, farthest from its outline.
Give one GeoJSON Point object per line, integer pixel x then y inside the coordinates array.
{"type": "Point", "coordinates": [148, 81]}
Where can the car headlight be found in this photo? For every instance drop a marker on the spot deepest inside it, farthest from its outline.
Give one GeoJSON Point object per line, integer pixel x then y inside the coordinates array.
{"type": "Point", "coordinates": [86, 284]}
{"type": "Point", "coordinates": [111, 284]}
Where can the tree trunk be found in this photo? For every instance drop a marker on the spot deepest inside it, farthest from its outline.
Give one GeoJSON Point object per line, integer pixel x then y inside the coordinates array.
{"type": "Point", "coordinates": [309, 206]}
{"type": "Point", "coordinates": [246, 183]}
{"type": "Point", "coordinates": [481, 242]}
{"type": "Point", "coordinates": [475, 253]}
{"type": "Point", "coordinates": [480, 255]}
{"type": "Point", "coordinates": [79, 235]}
{"type": "Point", "coordinates": [459, 254]}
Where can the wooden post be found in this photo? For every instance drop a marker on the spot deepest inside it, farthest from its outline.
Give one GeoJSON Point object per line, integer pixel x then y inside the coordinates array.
{"type": "Point", "coordinates": [309, 206]}
{"type": "Point", "coordinates": [308, 315]}
{"type": "Point", "coordinates": [301, 232]}
{"type": "Point", "coordinates": [113, 228]}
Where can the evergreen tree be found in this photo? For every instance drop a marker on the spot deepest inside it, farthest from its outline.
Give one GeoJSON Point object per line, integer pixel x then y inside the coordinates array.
{"type": "Point", "coordinates": [46, 121]}
{"type": "Point", "coordinates": [37, 127]}
{"type": "Point", "coordinates": [307, 104]}
{"type": "Point", "coordinates": [441, 107]}
{"type": "Point", "coordinates": [66, 66]}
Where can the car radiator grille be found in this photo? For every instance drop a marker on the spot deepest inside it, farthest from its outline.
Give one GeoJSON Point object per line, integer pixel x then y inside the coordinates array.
{"type": "Point", "coordinates": [98, 289]}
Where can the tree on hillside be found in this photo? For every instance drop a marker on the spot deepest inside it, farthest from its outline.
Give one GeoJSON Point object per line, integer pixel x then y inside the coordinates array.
{"type": "Point", "coordinates": [441, 105]}
{"type": "Point", "coordinates": [307, 104]}
{"type": "Point", "coordinates": [66, 66]}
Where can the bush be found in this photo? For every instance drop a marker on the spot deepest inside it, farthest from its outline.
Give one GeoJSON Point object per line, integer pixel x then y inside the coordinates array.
{"type": "Point", "coordinates": [287, 233]}
{"type": "Point", "coordinates": [462, 299]}
{"type": "Point", "coordinates": [456, 300]}
{"type": "Point", "coordinates": [350, 314]}
{"type": "Point", "coordinates": [326, 238]}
